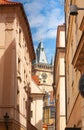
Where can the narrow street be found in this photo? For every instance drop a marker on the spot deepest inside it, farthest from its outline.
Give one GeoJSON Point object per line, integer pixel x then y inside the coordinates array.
{"type": "Point", "coordinates": [42, 81]}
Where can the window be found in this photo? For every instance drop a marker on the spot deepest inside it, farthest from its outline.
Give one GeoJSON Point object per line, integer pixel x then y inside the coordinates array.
{"type": "Point", "coordinates": [19, 65]}
{"type": "Point", "coordinates": [18, 96]}
{"type": "Point", "coordinates": [52, 112]}
{"type": "Point", "coordinates": [25, 104]}
{"type": "Point", "coordinates": [44, 81]}
{"type": "Point", "coordinates": [31, 114]}
{"type": "Point", "coordinates": [20, 37]}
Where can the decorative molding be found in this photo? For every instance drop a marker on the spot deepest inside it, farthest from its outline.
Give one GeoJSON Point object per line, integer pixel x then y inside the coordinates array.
{"type": "Point", "coordinates": [9, 23]}
{"type": "Point", "coordinates": [82, 25]}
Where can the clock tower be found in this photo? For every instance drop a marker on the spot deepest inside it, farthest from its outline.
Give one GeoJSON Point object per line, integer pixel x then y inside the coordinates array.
{"type": "Point", "coordinates": [43, 69]}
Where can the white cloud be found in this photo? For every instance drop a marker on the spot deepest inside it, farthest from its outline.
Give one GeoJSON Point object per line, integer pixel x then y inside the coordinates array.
{"type": "Point", "coordinates": [44, 18]}
{"type": "Point", "coordinates": [36, 20]}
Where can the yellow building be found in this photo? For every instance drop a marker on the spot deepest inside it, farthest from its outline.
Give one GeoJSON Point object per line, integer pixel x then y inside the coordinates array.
{"type": "Point", "coordinates": [74, 16]}
{"type": "Point", "coordinates": [59, 79]}
{"type": "Point", "coordinates": [49, 111]}
{"type": "Point", "coordinates": [16, 55]}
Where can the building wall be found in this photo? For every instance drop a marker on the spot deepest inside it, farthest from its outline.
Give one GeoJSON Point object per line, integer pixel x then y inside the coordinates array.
{"type": "Point", "coordinates": [36, 106]}
{"type": "Point", "coordinates": [73, 69]}
{"type": "Point", "coordinates": [59, 78]}
{"type": "Point", "coordinates": [45, 73]}
{"type": "Point", "coordinates": [48, 110]}
{"type": "Point", "coordinates": [15, 67]}
{"type": "Point", "coordinates": [46, 83]}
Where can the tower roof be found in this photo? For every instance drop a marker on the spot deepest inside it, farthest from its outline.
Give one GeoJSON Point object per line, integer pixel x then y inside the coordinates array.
{"type": "Point", "coordinates": [52, 61]}
{"type": "Point", "coordinates": [40, 54]}
{"type": "Point", "coordinates": [40, 45]}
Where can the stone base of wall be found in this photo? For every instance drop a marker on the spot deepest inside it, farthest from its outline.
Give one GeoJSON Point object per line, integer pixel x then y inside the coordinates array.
{"type": "Point", "coordinates": [14, 125]}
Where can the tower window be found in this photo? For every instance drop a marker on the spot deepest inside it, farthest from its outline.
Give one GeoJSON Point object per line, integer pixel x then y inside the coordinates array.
{"type": "Point", "coordinates": [44, 81]}
{"type": "Point", "coordinates": [42, 49]}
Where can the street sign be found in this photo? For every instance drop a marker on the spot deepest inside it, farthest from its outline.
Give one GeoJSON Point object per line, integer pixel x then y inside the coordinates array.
{"type": "Point", "coordinates": [72, 128]}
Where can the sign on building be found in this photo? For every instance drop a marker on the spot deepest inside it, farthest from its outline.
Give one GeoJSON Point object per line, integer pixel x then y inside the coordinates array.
{"type": "Point", "coordinates": [72, 128]}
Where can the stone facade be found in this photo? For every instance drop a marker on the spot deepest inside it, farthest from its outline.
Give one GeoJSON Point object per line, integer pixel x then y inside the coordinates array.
{"type": "Point", "coordinates": [36, 104]}
{"type": "Point", "coordinates": [59, 79]}
{"type": "Point", "coordinates": [74, 64]}
{"type": "Point", "coordinates": [49, 111]}
{"type": "Point", "coordinates": [16, 55]}
{"type": "Point", "coordinates": [43, 69]}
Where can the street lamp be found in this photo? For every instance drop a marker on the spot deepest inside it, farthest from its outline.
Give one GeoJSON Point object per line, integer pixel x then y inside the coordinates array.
{"type": "Point", "coordinates": [74, 10]}
{"type": "Point", "coordinates": [6, 119]}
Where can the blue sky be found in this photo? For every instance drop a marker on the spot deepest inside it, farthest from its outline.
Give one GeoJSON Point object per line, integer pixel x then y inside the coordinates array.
{"type": "Point", "coordinates": [44, 16]}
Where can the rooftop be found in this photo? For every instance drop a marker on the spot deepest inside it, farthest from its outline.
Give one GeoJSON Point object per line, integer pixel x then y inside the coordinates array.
{"type": "Point", "coordinates": [8, 2]}
{"type": "Point", "coordinates": [36, 79]}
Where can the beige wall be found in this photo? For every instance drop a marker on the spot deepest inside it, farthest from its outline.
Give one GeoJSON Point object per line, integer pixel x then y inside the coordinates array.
{"type": "Point", "coordinates": [73, 72]}
{"type": "Point", "coordinates": [36, 105]}
{"type": "Point", "coordinates": [48, 70]}
{"type": "Point", "coordinates": [59, 78]}
{"type": "Point", "coordinates": [15, 65]}
{"type": "Point", "coordinates": [62, 39]}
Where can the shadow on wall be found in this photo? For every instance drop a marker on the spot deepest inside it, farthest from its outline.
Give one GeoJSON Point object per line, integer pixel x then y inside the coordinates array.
{"type": "Point", "coordinates": [8, 88]}
{"type": "Point", "coordinates": [9, 92]}
{"type": "Point", "coordinates": [31, 127]}
{"type": "Point", "coordinates": [39, 125]}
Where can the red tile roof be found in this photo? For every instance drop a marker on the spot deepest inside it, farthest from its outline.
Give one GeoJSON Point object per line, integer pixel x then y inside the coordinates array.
{"type": "Point", "coordinates": [8, 2]}
{"type": "Point", "coordinates": [45, 126]}
{"type": "Point", "coordinates": [36, 79]}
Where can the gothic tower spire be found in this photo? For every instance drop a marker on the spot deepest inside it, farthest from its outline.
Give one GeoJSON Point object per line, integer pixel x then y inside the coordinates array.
{"type": "Point", "coordinates": [40, 54]}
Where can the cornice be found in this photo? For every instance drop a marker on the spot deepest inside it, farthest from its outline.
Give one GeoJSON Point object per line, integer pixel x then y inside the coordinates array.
{"type": "Point", "coordinates": [19, 10]}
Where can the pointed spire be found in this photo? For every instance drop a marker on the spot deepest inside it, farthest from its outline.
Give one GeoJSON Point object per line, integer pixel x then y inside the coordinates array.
{"type": "Point", "coordinates": [52, 61]}
{"type": "Point", "coordinates": [40, 45]}
{"type": "Point", "coordinates": [40, 54]}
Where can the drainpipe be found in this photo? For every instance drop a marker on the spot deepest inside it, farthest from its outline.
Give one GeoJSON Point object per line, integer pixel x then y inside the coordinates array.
{"type": "Point", "coordinates": [54, 89]}
{"type": "Point", "coordinates": [65, 68]}
{"type": "Point", "coordinates": [55, 107]}
{"type": "Point", "coordinates": [35, 111]}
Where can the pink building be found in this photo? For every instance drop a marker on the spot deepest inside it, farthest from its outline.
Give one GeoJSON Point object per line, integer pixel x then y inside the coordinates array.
{"type": "Point", "coordinates": [16, 55]}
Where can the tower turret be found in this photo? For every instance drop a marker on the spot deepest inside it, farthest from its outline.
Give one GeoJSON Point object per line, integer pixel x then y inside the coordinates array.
{"type": "Point", "coordinates": [40, 54]}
